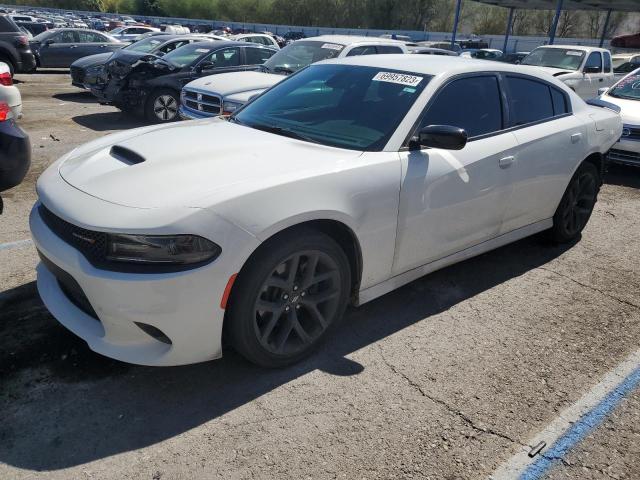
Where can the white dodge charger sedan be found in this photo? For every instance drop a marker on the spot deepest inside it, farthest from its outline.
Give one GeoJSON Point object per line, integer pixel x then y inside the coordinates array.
{"type": "Point", "coordinates": [341, 183]}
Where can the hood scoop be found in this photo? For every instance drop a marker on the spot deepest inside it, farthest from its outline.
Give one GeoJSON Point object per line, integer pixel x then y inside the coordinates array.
{"type": "Point", "coordinates": [126, 155]}
{"type": "Point", "coordinates": [557, 74]}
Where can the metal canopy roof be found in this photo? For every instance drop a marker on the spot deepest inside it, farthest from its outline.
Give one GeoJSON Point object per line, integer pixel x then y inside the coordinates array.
{"type": "Point", "coordinates": [616, 5]}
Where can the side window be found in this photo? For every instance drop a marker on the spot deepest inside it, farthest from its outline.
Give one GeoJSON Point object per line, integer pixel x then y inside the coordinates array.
{"type": "Point", "coordinates": [227, 57]}
{"type": "Point", "coordinates": [472, 103]}
{"type": "Point", "coordinates": [607, 62]}
{"type": "Point", "coordinates": [594, 60]}
{"type": "Point", "coordinates": [364, 50]}
{"type": "Point", "coordinates": [90, 37]}
{"type": "Point", "coordinates": [388, 49]}
{"type": "Point", "coordinates": [559, 100]}
{"type": "Point", "coordinates": [66, 36]}
{"type": "Point", "coordinates": [626, 67]}
{"type": "Point", "coordinates": [530, 100]}
{"type": "Point", "coordinates": [257, 56]}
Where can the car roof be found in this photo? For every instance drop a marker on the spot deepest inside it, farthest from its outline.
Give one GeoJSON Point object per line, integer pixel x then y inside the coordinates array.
{"type": "Point", "coordinates": [351, 39]}
{"type": "Point", "coordinates": [576, 47]}
{"type": "Point", "coordinates": [433, 64]}
{"type": "Point", "coordinates": [227, 43]}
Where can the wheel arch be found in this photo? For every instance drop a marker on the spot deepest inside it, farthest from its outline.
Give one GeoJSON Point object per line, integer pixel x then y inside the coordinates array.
{"type": "Point", "coordinates": [599, 161]}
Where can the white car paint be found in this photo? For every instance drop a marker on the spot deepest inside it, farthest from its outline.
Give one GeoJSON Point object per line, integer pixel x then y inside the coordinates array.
{"type": "Point", "coordinates": [10, 94]}
{"type": "Point", "coordinates": [224, 87]}
{"type": "Point", "coordinates": [258, 38]}
{"type": "Point", "coordinates": [627, 148]}
{"type": "Point", "coordinates": [586, 85]}
{"type": "Point", "coordinates": [411, 212]}
{"type": "Point", "coordinates": [131, 33]}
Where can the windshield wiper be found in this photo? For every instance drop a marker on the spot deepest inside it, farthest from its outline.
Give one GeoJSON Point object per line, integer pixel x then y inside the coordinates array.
{"type": "Point", "coordinates": [285, 132]}
{"type": "Point", "coordinates": [283, 70]}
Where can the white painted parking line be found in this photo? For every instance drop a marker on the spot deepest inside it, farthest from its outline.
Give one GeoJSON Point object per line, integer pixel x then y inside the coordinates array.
{"type": "Point", "coordinates": [574, 423]}
{"type": "Point", "coordinates": [18, 244]}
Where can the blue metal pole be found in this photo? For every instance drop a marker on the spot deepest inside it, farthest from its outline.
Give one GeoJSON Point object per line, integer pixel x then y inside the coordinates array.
{"type": "Point", "coordinates": [508, 32]}
{"type": "Point", "coordinates": [455, 23]}
{"type": "Point", "coordinates": [556, 19]}
{"type": "Point", "coordinates": [604, 30]}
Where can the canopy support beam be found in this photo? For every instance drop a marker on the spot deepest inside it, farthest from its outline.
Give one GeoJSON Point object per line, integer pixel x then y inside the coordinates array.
{"type": "Point", "coordinates": [606, 26]}
{"type": "Point", "coordinates": [556, 19]}
{"type": "Point", "coordinates": [456, 19]}
{"type": "Point", "coordinates": [509, 27]}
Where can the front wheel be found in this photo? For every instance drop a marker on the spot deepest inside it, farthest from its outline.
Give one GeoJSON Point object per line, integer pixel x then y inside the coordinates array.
{"type": "Point", "coordinates": [288, 298]}
{"type": "Point", "coordinates": [577, 204]}
{"type": "Point", "coordinates": [162, 106]}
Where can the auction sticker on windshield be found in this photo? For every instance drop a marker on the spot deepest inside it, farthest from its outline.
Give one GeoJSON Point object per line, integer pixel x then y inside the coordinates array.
{"type": "Point", "coordinates": [332, 46]}
{"type": "Point", "coordinates": [399, 78]}
{"type": "Point", "coordinates": [574, 53]}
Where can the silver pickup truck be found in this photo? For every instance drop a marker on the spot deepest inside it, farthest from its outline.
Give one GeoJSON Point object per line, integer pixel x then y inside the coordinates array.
{"type": "Point", "coordinates": [223, 94]}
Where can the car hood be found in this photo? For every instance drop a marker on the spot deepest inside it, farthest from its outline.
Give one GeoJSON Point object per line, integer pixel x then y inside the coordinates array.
{"type": "Point", "coordinates": [233, 83]}
{"type": "Point", "coordinates": [91, 60]}
{"type": "Point", "coordinates": [630, 109]}
{"type": "Point", "coordinates": [122, 63]}
{"type": "Point", "coordinates": [556, 72]}
{"type": "Point", "coordinates": [193, 164]}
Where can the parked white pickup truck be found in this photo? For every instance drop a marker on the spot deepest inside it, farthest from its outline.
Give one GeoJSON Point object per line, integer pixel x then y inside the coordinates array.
{"type": "Point", "coordinates": [583, 69]}
{"type": "Point", "coordinates": [223, 94]}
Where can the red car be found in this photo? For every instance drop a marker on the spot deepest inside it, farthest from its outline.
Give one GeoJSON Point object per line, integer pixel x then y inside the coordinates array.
{"type": "Point", "coordinates": [626, 41]}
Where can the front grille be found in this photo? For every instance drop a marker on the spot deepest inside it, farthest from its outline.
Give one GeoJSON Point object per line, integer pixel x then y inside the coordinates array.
{"type": "Point", "coordinates": [72, 289]}
{"type": "Point", "coordinates": [93, 245]}
{"type": "Point", "coordinates": [631, 132]}
{"type": "Point", "coordinates": [622, 156]}
{"type": "Point", "coordinates": [202, 103]}
{"type": "Point", "coordinates": [77, 74]}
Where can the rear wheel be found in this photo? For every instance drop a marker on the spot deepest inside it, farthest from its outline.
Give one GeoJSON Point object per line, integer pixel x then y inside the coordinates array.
{"type": "Point", "coordinates": [162, 106]}
{"type": "Point", "coordinates": [577, 204]}
{"type": "Point", "coordinates": [288, 298]}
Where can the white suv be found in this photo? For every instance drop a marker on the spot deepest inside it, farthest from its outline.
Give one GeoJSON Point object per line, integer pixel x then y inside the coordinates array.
{"type": "Point", "coordinates": [225, 93]}
{"type": "Point", "coordinates": [583, 69]}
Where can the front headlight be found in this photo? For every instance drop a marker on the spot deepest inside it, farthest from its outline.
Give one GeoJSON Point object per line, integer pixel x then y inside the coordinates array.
{"type": "Point", "coordinates": [161, 249]}
{"type": "Point", "coordinates": [229, 107]}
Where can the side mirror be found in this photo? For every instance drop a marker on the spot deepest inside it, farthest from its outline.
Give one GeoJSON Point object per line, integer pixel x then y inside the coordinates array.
{"type": "Point", "coordinates": [592, 70]}
{"type": "Point", "coordinates": [205, 66]}
{"type": "Point", "coordinates": [51, 41]}
{"type": "Point", "coordinates": [602, 91]}
{"type": "Point", "coordinates": [440, 136]}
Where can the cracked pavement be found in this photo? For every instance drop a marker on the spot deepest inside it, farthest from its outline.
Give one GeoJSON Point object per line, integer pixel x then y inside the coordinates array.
{"type": "Point", "coordinates": [445, 378]}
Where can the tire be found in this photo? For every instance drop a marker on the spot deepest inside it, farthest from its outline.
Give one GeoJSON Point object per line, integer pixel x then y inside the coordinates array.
{"type": "Point", "coordinates": [162, 106]}
{"type": "Point", "coordinates": [12, 67]}
{"type": "Point", "coordinates": [577, 204]}
{"type": "Point", "coordinates": [280, 311]}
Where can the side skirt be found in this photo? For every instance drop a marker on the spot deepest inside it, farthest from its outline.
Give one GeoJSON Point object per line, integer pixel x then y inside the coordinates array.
{"type": "Point", "coordinates": [398, 281]}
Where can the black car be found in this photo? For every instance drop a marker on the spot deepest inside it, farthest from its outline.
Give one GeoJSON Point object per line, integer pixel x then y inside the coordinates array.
{"type": "Point", "coordinates": [513, 58]}
{"type": "Point", "coordinates": [15, 152]}
{"type": "Point", "coordinates": [151, 86]}
{"type": "Point", "coordinates": [15, 50]}
{"type": "Point", "coordinates": [86, 70]}
{"type": "Point", "coordinates": [61, 47]}
{"type": "Point", "coordinates": [35, 28]}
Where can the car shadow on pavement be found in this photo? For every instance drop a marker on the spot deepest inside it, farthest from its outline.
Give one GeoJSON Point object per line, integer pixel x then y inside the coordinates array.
{"type": "Point", "coordinates": [81, 96]}
{"type": "Point", "coordinates": [88, 407]}
{"type": "Point", "coordinates": [107, 121]}
{"type": "Point", "coordinates": [624, 176]}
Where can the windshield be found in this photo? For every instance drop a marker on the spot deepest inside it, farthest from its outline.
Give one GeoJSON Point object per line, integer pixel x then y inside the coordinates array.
{"type": "Point", "coordinates": [628, 87]}
{"type": "Point", "coordinates": [186, 55]}
{"type": "Point", "coordinates": [344, 106]}
{"type": "Point", "coordinates": [300, 54]}
{"type": "Point", "coordinates": [566, 59]}
{"type": "Point", "coordinates": [144, 46]}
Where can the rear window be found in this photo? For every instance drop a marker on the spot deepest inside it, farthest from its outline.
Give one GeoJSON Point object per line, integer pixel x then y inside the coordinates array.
{"type": "Point", "coordinates": [7, 25]}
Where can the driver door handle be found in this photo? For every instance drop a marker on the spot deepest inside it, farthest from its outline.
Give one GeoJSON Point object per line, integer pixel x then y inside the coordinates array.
{"type": "Point", "coordinates": [506, 162]}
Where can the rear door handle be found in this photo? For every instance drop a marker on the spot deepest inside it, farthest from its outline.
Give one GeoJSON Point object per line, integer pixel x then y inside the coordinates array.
{"type": "Point", "coordinates": [506, 162]}
{"type": "Point", "coordinates": [602, 79]}
{"type": "Point", "coordinates": [575, 138]}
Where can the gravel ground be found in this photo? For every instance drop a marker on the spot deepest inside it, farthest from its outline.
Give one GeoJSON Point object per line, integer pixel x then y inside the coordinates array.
{"type": "Point", "coordinates": [445, 378]}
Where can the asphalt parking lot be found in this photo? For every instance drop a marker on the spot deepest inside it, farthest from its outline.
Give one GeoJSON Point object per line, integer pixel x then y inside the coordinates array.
{"type": "Point", "coordinates": [446, 378]}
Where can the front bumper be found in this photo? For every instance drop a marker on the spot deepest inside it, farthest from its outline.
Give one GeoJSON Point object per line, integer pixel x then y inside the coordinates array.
{"type": "Point", "coordinates": [15, 155]}
{"type": "Point", "coordinates": [183, 306]}
{"type": "Point", "coordinates": [625, 151]}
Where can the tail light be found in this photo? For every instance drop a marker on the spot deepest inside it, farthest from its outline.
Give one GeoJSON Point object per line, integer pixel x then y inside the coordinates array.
{"type": "Point", "coordinates": [5, 79]}
{"type": "Point", "coordinates": [22, 41]}
{"type": "Point", "coordinates": [4, 111]}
